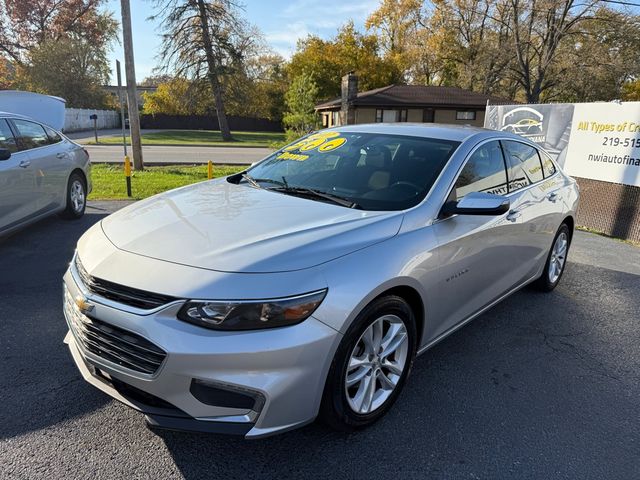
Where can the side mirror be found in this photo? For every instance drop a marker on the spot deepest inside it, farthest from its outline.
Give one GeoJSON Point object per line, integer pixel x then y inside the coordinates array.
{"type": "Point", "coordinates": [478, 203]}
{"type": "Point", "coordinates": [5, 154]}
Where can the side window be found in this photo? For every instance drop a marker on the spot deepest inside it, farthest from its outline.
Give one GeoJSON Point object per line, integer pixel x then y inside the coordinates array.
{"type": "Point", "coordinates": [523, 165]}
{"type": "Point", "coordinates": [7, 140]}
{"type": "Point", "coordinates": [548, 168]}
{"type": "Point", "coordinates": [54, 137]}
{"type": "Point", "coordinates": [31, 134]}
{"type": "Point", "coordinates": [483, 172]}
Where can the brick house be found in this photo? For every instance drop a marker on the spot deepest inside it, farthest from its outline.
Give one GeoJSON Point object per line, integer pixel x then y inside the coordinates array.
{"type": "Point", "coordinates": [405, 103]}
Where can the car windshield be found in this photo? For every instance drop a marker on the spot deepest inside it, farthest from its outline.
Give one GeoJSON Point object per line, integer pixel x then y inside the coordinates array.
{"type": "Point", "coordinates": [357, 170]}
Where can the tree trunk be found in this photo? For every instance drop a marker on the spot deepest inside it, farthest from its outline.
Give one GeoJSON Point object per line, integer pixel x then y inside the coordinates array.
{"type": "Point", "coordinates": [212, 73]}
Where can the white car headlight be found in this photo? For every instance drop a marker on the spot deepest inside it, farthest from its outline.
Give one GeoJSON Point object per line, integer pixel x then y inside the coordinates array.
{"type": "Point", "coordinates": [251, 315]}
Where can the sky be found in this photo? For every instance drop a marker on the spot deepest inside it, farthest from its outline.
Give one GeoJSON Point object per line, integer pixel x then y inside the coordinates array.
{"type": "Point", "coordinates": [282, 22]}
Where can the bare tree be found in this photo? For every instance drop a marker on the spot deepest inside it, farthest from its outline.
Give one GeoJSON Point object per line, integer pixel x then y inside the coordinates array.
{"type": "Point", "coordinates": [203, 39]}
{"type": "Point", "coordinates": [538, 28]}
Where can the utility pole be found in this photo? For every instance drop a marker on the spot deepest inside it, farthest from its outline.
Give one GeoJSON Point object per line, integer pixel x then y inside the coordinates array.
{"type": "Point", "coordinates": [130, 73]}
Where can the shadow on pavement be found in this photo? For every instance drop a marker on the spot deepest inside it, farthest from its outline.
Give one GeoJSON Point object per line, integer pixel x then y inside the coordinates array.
{"type": "Point", "coordinates": [40, 385]}
{"type": "Point", "coordinates": [541, 386]}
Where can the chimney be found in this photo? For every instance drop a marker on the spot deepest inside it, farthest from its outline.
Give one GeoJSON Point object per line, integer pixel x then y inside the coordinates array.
{"type": "Point", "coordinates": [349, 93]}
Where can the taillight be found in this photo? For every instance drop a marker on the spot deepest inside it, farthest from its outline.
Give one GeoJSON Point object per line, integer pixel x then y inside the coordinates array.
{"type": "Point", "coordinates": [87, 152]}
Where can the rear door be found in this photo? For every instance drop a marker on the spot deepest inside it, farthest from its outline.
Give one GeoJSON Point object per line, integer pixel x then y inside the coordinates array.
{"type": "Point", "coordinates": [18, 200]}
{"type": "Point", "coordinates": [49, 161]}
{"type": "Point", "coordinates": [529, 206]}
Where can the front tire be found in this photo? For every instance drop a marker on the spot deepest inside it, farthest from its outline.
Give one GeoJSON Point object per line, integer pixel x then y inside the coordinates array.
{"type": "Point", "coordinates": [556, 260]}
{"type": "Point", "coordinates": [370, 366]}
{"type": "Point", "coordinates": [76, 197]}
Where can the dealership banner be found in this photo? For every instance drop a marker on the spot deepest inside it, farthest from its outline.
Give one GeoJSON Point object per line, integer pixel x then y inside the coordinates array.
{"type": "Point", "coordinates": [600, 141]}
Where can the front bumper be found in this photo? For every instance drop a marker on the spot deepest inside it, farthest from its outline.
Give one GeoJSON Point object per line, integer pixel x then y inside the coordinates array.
{"type": "Point", "coordinates": [284, 369]}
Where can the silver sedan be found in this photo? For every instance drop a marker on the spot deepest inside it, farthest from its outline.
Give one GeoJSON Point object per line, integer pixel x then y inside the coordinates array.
{"type": "Point", "coordinates": [42, 172]}
{"type": "Point", "coordinates": [306, 285]}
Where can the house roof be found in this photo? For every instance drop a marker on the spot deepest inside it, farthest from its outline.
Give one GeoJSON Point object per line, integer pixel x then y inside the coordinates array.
{"type": "Point", "coordinates": [419, 96]}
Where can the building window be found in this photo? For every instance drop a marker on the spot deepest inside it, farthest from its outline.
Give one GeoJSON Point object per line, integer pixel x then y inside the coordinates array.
{"type": "Point", "coordinates": [335, 120]}
{"type": "Point", "coordinates": [428, 115]}
{"type": "Point", "coordinates": [391, 116]}
{"type": "Point", "coordinates": [325, 120]}
{"type": "Point", "coordinates": [465, 115]}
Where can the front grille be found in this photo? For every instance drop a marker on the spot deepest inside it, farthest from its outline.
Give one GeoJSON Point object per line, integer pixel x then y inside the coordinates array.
{"type": "Point", "coordinates": [112, 343]}
{"type": "Point", "coordinates": [119, 293]}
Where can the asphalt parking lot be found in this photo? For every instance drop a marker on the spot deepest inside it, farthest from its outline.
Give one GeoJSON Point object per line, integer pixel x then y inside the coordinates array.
{"type": "Point", "coordinates": [543, 386]}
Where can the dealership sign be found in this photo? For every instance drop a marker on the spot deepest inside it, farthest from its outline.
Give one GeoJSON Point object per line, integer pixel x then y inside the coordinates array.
{"type": "Point", "coordinates": [600, 141]}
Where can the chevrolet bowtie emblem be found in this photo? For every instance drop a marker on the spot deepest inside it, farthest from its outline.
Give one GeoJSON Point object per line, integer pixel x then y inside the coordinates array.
{"type": "Point", "coordinates": [83, 304]}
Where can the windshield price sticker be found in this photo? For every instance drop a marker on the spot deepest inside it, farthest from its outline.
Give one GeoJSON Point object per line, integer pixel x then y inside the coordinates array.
{"type": "Point", "coordinates": [323, 141]}
{"type": "Point", "coordinates": [332, 144]}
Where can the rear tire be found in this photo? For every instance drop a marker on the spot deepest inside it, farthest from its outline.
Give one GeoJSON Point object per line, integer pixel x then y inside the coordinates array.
{"type": "Point", "coordinates": [76, 197]}
{"type": "Point", "coordinates": [556, 261]}
{"type": "Point", "coordinates": [370, 366]}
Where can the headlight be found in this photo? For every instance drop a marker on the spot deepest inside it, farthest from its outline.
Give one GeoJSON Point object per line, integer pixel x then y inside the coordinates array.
{"type": "Point", "coordinates": [251, 315]}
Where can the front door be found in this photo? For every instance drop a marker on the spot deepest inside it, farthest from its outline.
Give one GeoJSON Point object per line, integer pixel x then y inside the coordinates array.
{"type": "Point", "coordinates": [478, 253]}
{"type": "Point", "coordinates": [18, 201]}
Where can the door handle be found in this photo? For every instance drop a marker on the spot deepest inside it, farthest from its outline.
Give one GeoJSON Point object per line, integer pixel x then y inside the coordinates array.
{"type": "Point", "coordinates": [513, 215]}
{"type": "Point", "coordinates": [61, 155]}
{"type": "Point", "coordinates": [552, 197]}
{"type": "Point", "coordinates": [24, 163]}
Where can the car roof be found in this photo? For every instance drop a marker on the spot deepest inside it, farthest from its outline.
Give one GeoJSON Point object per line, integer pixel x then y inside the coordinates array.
{"type": "Point", "coordinates": [431, 130]}
{"type": "Point", "coordinates": [16, 115]}
{"type": "Point", "coordinates": [458, 133]}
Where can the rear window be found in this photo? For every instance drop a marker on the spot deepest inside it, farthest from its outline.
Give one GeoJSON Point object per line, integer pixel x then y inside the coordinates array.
{"type": "Point", "coordinates": [54, 137]}
{"type": "Point", "coordinates": [375, 171]}
{"type": "Point", "coordinates": [523, 165]}
{"type": "Point", "coordinates": [548, 167]}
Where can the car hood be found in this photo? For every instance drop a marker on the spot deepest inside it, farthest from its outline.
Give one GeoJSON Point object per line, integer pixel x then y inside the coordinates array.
{"type": "Point", "coordinates": [221, 226]}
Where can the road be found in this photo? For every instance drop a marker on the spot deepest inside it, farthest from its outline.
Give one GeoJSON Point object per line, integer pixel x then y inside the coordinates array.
{"type": "Point", "coordinates": [543, 386]}
{"type": "Point", "coordinates": [158, 155]}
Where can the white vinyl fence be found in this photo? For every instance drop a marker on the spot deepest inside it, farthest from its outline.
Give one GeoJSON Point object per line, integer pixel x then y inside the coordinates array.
{"type": "Point", "coordinates": [76, 119]}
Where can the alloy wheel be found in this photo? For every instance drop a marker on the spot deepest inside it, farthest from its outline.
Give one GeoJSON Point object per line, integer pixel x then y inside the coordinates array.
{"type": "Point", "coordinates": [376, 364]}
{"type": "Point", "coordinates": [77, 196]}
{"type": "Point", "coordinates": [558, 257]}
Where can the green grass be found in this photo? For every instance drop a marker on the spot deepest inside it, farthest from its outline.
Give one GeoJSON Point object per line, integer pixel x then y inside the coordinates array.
{"type": "Point", "coordinates": [109, 181]}
{"type": "Point", "coordinates": [200, 137]}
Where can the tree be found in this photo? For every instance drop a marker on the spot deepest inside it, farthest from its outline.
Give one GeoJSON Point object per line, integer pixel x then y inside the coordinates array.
{"type": "Point", "coordinates": [24, 24]}
{"type": "Point", "coordinates": [300, 100]}
{"type": "Point", "coordinates": [69, 68]}
{"type": "Point", "coordinates": [328, 60]}
{"type": "Point", "coordinates": [631, 91]}
{"type": "Point", "coordinates": [396, 23]}
{"type": "Point", "coordinates": [542, 50]}
{"type": "Point", "coordinates": [7, 74]}
{"type": "Point", "coordinates": [155, 80]}
{"type": "Point", "coordinates": [537, 31]}
{"type": "Point", "coordinates": [257, 87]}
{"type": "Point", "coordinates": [179, 96]}
{"type": "Point", "coordinates": [600, 59]}
{"type": "Point", "coordinates": [204, 39]}
{"type": "Point", "coordinates": [57, 47]}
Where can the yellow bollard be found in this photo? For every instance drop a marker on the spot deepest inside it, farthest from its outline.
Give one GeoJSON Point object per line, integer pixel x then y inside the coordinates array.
{"type": "Point", "coordinates": [210, 170]}
{"type": "Point", "coordinates": [127, 174]}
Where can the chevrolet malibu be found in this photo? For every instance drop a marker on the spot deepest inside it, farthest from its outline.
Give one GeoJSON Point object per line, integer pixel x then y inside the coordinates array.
{"type": "Point", "coordinates": [42, 172]}
{"type": "Point", "coordinates": [306, 285]}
